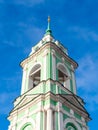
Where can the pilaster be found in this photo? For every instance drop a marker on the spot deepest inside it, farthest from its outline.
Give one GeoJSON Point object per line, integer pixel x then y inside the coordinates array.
{"type": "Point", "coordinates": [73, 80]}
{"type": "Point", "coordinates": [38, 121]}
{"type": "Point", "coordinates": [39, 118]}
{"type": "Point", "coordinates": [49, 119]}
{"type": "Point", "coordinates": [60, 117]}
{"type": "Point", "coordinates": [24, 80]}
{"type": "Point", "coordinates": [44, 68]}
{"type": "Point", "coordinates": [53, 65]}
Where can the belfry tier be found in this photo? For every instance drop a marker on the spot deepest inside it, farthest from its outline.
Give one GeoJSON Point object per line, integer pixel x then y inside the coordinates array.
{"type": "Point", "coordinates": [49, 68]}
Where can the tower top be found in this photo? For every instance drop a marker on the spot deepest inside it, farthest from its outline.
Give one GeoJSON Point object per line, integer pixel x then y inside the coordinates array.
{"type": "Point", "coordinates": [48, 31]}
{"type": "Point", "coordinates": [48, 19]}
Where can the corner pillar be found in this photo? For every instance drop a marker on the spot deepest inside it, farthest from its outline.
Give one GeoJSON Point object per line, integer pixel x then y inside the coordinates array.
{"type": "Point", "coordinates": [60, 117]}
{"type": "Point", "coordinates": [49, 119]}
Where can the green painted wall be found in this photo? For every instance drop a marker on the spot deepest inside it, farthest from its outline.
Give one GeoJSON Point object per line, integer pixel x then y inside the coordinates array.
{"type": "Point", "coordinates": [77, 115]}
{"type": "Point", "coordinates": [66, 108]}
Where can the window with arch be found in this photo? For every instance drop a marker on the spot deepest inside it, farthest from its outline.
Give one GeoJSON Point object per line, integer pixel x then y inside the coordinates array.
{"type": "Point", "coordinates": [27, 127]}
{"type": "Point", "coordinates": [34, 76]}
{"type": "Point", "coordinates": [63, 76]}
{"type": "Point", "coordinates": [71, 126]}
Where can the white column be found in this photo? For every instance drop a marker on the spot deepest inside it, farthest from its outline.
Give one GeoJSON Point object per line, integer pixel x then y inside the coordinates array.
{"type": "Point", "coordinates": [60, 117]}
{"type": "Point", "coordinates": [45, 65]}
{"type": "Point", "coordinates": [44, 120]}
{"type": "Point", "coordinates": [55, 120]}
{"type": "Point", "coordinates": [49, 119]}
{"type": "Point", "coordinates": [23, 81]}
{"type": "Point", "coordinates": [73, 80]}
{"type": "Point", "coordinates": [38, 120]}
{"type": "Point", "coordinates": [53, 66]}
{"type": "Point", "coordinates": [60, 120]}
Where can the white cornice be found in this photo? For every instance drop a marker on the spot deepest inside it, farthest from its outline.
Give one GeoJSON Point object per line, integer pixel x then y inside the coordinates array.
{"type": "Point", "coordinates": [47, 46]}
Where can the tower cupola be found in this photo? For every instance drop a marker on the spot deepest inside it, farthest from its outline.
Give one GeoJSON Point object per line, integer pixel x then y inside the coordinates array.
{"type": "Point", "coordinates": [48, 60]}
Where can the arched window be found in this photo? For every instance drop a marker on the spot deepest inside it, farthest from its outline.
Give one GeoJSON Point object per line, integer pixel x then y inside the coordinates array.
{"type": "Point", "coordinates": [27, 124]}
{"type": "Point", "coordinates": [71, 126]}
{"type": "Point", "coordinates": [63, 76]}
{"type": "Point", "coordinates": [34, 76]}
{"type": "Point", "coordinates": [28, 127]}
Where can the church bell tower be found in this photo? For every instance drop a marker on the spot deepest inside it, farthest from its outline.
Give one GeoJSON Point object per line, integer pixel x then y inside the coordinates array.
{"type": "Point", "coordinates": [48, 99]}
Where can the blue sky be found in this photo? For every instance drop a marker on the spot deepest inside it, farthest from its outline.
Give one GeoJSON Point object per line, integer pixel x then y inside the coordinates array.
{"type": "Point", "coordinates": [23, 23]}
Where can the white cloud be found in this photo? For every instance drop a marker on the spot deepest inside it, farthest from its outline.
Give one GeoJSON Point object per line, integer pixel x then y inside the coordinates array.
{"type": "Point", "coordinates": [28, 2]}
{"type": "Point", "coordinates": [32, 33]}
{"type": "Point", "coordinates": [87, 73]}
{"type": "Point", "coordinates": [91, 101]}
{"type": "Point", "coordinates": [5, 100]}
{"type": "Point", "coordinates": [87, 80]}
{"type": "Point", "coordinates": [9, 43]}
{"type": "Point", "coordinates": [23, 2]}
{"type": "Point", "coordinates": [24, 31]}
{"type": "Point", "coordinates": [84, 33]}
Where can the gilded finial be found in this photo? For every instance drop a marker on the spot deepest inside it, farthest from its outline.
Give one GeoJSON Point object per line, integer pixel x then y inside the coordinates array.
{"type": "Point", "coordinates": [48, 28]}
{"type": "Point", "coordinates": [48, 18]}
{"type": "Point", "coordinates": [48, 31]}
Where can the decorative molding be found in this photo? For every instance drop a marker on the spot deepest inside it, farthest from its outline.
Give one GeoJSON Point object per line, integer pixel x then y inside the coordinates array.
{"type": "Point", "coordinates": [46, 46]}
{"type": "Point", "coordinates": [71, 111]}
{"type": "Point", "coordinates": [25, 121]}
{"type": "Point", "coordinates": [36, 63]}
{"type": "Point", "coordinates": [45, 52]}
{"type": "Point", "coordinates": [62, 64]}
{"type": "Point", "coordinates": [73, 117]}
{"type": "Point", "coordinates": [69, 120]}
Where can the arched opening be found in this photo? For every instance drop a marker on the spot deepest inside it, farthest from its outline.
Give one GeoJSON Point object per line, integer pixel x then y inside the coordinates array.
{"type": "Point", "coordinates": [34, 76]}
{"type": "Point", "coordinates": [63, 76]}
{"type": "Point", "coordinates": [71, 126]}
{"type": "Point", "coordinates": [28, 127]}
{"type": "Point", "coordinates": [27, 124]}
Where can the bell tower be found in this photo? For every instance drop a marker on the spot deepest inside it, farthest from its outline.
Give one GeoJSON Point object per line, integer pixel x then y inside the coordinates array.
{"type": "Point", "coordinates": [48, 99]}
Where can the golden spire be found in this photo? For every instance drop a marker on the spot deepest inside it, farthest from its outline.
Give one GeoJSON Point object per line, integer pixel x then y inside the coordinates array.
{"type": "Point", "coordinates": [48, 28]}
{"type": "Point", "coordinates": [48, 19]}
{"type": "Point", "coordinates": [48, 31]}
